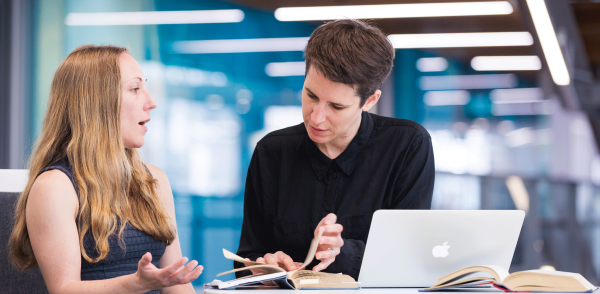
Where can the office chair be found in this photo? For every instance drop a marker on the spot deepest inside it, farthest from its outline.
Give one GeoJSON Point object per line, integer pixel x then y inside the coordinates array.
{"type": "Point", "coordinates": [12, 183]}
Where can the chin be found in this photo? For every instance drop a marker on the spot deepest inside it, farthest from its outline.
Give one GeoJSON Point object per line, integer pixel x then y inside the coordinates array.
{"type": "Point", "coordinates": [317, 139]}
{"type": "Point", "coordinates": [137, 144]}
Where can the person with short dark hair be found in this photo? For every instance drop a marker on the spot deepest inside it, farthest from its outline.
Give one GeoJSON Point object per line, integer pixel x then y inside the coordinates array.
{"type": "Point", "coordinates": [332, 172]}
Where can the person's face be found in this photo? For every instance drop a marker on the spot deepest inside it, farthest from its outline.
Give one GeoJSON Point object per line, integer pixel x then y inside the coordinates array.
{"type": "Point", "coordinates": [331, 110]}
{"type": "Point", "coordinates": [136, 102]}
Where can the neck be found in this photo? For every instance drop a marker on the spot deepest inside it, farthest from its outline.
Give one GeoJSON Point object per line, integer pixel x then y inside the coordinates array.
{"type": "Point", "coordinates": [335, 147]}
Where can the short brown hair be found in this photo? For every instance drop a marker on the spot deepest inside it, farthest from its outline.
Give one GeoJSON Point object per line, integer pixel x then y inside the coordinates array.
{"type": "Point", "coordinates": [351, 52]}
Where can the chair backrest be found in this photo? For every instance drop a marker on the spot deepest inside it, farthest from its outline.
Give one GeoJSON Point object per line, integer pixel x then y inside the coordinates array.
{"type": "Point", "coordinates": [12, 183]}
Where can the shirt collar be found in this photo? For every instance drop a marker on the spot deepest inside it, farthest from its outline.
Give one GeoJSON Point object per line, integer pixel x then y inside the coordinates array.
{"type": "Point", "coordinates": [347, 160]}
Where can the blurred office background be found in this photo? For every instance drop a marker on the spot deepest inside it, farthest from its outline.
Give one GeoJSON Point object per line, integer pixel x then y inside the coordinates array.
{"type": "Point", "coordinates": [508, 91]}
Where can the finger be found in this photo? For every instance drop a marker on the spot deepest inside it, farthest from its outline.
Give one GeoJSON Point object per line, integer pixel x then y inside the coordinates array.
{"type": "Point", "coordinates": [331, 241]}
{"type": "Point", "coordinates": [323, 265]}
{"type": "Point", "coordinates": [298, 264]}
{"type": "Point", "coordinates": [332, 229]}
{"type": "Point", "coordinates": [330, 219]}
{"type": "Point", "coordinates": [145, 260]}
{"type": "Point", "coordinates": [260, 260]}
{"type": "Point", "coordinates": [183, 271]}
{"type": "Point", "coordinates": [192, 275]}
{"type": "Point", "coordinates": [325, 254]}
{"type": "Point", "coordinates": [270, 259]}
{"type": "Point", "coordinates": [170, 269]}
{"type": "Point", "coordinates": [287, 261]}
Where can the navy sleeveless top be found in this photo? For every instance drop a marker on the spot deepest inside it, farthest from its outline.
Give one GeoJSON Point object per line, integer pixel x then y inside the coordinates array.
{"type": "Point", "coordinates": [120, 261]}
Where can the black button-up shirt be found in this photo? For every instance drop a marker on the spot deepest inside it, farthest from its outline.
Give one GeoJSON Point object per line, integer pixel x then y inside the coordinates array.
{"type": "Point", "coordinates": [291, 185]}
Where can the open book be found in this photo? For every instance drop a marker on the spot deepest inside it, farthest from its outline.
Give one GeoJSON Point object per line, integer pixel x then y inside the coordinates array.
{"type": "Point", "coordinates": [526, 281]}
{"type": "Point", "coordinates": [298, 279]}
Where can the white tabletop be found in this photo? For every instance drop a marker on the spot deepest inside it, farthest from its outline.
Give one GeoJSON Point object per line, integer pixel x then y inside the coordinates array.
{"type": "Point", "coordinates": [281, 291]}
{"type": "Point", "coordinates": [361, 291]}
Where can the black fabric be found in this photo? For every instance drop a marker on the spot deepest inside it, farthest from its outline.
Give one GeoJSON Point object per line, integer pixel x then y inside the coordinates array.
{"type": "Point", "coordinates": [291, 185]}
{"type": "Point", "coordinates": [120, 260]}
{"type": "Point", "coordinates": [11, 279]}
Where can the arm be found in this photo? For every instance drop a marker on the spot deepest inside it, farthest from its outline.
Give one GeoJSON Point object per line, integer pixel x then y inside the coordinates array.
{"type": "Point", "coordinates": [172, 252]}
{"type": "Point", "coordinates": [253, 236]}
{"type": "Point", "coordinates": [51, 210]}
{"type": "Point", "coordinates": [413, 189]}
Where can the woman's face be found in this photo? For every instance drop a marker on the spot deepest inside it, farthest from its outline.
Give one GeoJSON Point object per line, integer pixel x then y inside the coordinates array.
{"type": "Point", "coordinates": [136, 102]}
{"type": "Point", "coordinates": [331, 110]}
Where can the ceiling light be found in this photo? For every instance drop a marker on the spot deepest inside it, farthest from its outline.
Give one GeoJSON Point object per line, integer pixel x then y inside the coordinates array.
{"type": "Point", "coordinates": [432, 64]}
{"type": "Point", "coordinates": [541, 107]}
{"type": "Point", "coordinates": [517, 95]}
{"type": "Point", "coordinates": [285, 69]}
{"type": "Point", "coordinates": [465, 82]}
{"type": "Point", "coordinates": [240, 45]}
{"type": "Point", "coordinates": [549, 42]}
{"type": "Point", "coordinates": [393, 11]}
{"type": "Point", "coordinates": [503, 63]}
{"type": "Point", "coordinates": [440, 98]}
{"type": "Point", "coordinates": [402, 41]}
{"type": "Point", "coordinates": [154, 17]}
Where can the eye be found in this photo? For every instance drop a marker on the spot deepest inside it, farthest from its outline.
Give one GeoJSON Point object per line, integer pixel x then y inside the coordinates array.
{"type": "Point", "coordinates": [336, 107]}
{"type": "Point", "coordinates": [135, 90]}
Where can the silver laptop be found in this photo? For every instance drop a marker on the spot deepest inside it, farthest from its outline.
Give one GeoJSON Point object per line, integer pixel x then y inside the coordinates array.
{"type": "Point", "coordinates": [414, 248]}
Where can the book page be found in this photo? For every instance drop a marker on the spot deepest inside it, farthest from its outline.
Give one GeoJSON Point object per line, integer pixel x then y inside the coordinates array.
{"type": "Point", "coordinates": [312, 279]}
{"type": "Point", "coordinates": [311, 251]}
{"type": "Point", "coordinates": [232, 256]}
{"type": "Point", "coordinates": [497, 272]}
{"type": "Point", "coordinates": [267, 268]}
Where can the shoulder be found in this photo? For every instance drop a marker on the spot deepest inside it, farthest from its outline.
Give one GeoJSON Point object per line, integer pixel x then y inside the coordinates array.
{"type": "Point", "coordinates": [52, 189]}
{"type": "Point", "coordinates": [288, 136]}
{"type": "Point", "coordinates": [162, 180]}
{"type": "Point", "coordinates": [399, 126]}
{"type": "Point", "coordinates": [157, 173]}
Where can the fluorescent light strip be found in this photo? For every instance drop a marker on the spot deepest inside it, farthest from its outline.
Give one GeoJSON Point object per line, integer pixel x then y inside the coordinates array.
{"type": "Point", "coordinates": [399, 42]}
{"type": "Point", "coordinates": [518, 95]}
{"type": "Point", "coordinates": [465, 82]}
{"type": "Point", "coordinates": [240, 45]}
{"type": "Point", "coordinates": [285, 69]}
{"type": "Point", "coordinates": [403, 41]}
{"type": "Point", "coordinates": [432, 64]}
{"type": "Point", "coordinates": [443, 98]}
{"type": "Point", "coordinates": [549, 42]}
{"type": "Point", "coordinates": [506, 63]}
{"type": "Point", "coordinates": [393, 11]}
{"type": "Point", "coordinates": [154, 17]}
{"type": "Point", "coordinates": [543, 107]}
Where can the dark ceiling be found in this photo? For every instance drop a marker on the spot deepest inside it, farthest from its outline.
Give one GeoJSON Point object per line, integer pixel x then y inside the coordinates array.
{"type": "Point", "coordinates": [587, 13]}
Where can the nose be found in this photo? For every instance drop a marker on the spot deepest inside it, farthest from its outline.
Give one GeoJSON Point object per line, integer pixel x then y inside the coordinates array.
{"type": "Point", "coordinates": [151, 102]}
{"type": "Point", "coordinates": [318, 114]}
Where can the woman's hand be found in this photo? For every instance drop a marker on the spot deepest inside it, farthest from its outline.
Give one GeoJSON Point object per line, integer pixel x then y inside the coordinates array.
{"type": "Point", "coordinates": [152, 278]}
{"type": "Point", "coordinates": [331, 242]}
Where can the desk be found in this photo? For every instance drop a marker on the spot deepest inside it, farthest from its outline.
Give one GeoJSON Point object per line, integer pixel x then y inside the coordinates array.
{"type": "Point", "coordinates": [361, 291]}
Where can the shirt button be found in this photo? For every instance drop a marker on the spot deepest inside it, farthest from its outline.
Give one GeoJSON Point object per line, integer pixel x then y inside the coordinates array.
{"type": "Point", "coordinates": [328, 208]}
{"type": "Point", "coordinates": [334, 175]}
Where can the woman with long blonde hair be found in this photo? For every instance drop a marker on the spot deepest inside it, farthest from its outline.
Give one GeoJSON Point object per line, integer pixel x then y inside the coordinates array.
{"type": "Point", "coordinates": [93, 216]}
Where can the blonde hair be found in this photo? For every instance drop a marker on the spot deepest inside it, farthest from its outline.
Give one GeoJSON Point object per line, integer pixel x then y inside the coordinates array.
{"type": "Point", "coordinates": [82, 124]}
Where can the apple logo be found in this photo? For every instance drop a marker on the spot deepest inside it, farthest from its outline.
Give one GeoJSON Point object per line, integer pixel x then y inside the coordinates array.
{"type": "Point", "coordinates": [440, 250]}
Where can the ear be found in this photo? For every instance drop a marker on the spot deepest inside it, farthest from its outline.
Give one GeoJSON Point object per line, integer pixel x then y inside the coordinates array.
{"type": "Point", "coordinates": [372, 100]}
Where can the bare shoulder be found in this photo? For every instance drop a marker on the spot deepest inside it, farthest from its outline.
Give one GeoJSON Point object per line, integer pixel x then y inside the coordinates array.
{"type": "Point", "coordinates": [157, 173]}
{"type": "Point", "coordinates": [163, 182]}
{"type": "Point", "coordinates": [53, 188]}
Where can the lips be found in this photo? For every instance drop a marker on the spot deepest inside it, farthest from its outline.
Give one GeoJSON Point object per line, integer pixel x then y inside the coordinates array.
{"type": "Point", "coordinates": [317, 131]}
{"type": "Point", "coordinates": [143, 124]}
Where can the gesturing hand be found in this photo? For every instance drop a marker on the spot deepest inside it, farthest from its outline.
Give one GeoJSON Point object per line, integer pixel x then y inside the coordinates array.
{"type": "Point", "coordinates": [331, 242]}
{"type": "Point", "coordinates": [152, 278]}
